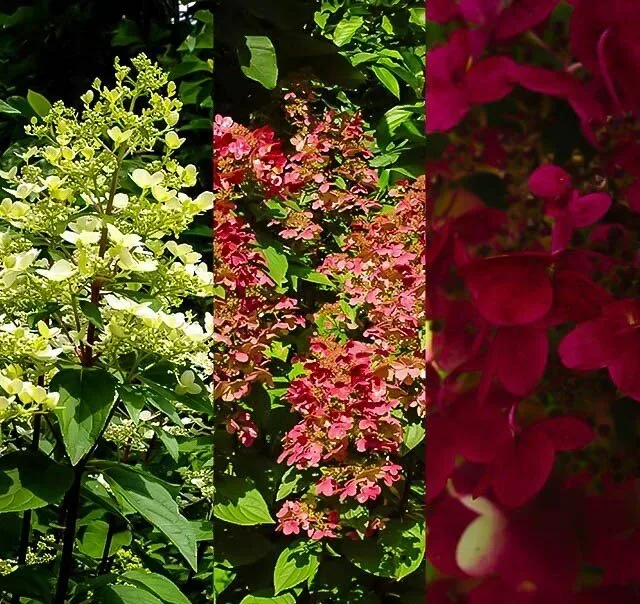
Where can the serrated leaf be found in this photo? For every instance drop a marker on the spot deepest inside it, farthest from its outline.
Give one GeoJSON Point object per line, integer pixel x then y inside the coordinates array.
{"type": "Point", "coordinates": [298, 562]}
{"type": "Point", "coordinates": [86, 399]}
{"type": "Point", "coordinates": [258, 60]}
{"type": "Point", "coordinates": [238, 501]}
{"type": "Point", "coordinates": [397, 552]}
{"type": "Point", "coordinates": [30, 480]}
{"type": "Point", "coordinates": [151, 499]}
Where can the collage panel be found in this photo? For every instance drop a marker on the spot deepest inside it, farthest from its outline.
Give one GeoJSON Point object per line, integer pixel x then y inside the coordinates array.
{"type": "Point", "coordinates": [319, 324]}
{"type": "Point", "coordinates": [105, 302]}
{"type": "Point", "coordinates": [532, 120]}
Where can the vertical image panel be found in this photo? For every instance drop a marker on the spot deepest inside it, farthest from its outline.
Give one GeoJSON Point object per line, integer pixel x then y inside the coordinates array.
{"type": "Point", "coordinates": [319, 322]}
{"type": "Point", "coordinates": [105, 302]}
{"type": "Point", "coordinates": [532, 420]}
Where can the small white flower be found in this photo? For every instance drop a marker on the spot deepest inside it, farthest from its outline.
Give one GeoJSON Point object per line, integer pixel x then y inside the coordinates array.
{"type": "Point", "coordinates": [145, 180]}
{"type": "Point", "coordinates": [59, 271]}
{"type": "Point", "coordinates": [187, 383]}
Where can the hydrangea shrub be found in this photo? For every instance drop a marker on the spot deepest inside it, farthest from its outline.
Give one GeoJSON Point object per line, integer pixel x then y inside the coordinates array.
{"type": "Point", "coordinates": [104, 354]}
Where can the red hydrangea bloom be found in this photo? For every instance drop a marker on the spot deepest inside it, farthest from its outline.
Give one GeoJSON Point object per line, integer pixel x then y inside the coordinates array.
{"type": "Point", "coordinates": [456, 82]}
{"type": "Point", "coordinates": [569, 209]}
{"type": "Point", "coordinates": [612, 341]}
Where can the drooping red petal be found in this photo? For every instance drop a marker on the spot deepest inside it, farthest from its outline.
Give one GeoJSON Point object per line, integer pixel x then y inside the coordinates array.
{"type": "Point", "coordinates": [521, 358]}
{"type": "Point", "coordinates": [513, 289]}
{"type": "Point", "coordinates": [588, 209]}
{"type": "Point", "coordinates": [523, 471]}
{"type": "Point", "coordinates": [566, 433]}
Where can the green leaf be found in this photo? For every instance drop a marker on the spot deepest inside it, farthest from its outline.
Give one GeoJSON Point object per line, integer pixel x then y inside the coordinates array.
{"type": "Point", "coordinates": [387, 79]}
{"type": "Point", "coordinates": [346, 29]}
{"type": "Point", "coordinates": [222, 578]}
{"type": "Point", "coordinates": [158, 585]}
{"type": "Point", "coordinates": [125, 594]}
{"type": "Point", "coordinates": [277, 264]}
{"type": "Point", "coordinates": [417, 16]}
{"type": "Point", "coordinates": [260, 599]}
{"type": "Point", "coordinates": [290, 482]}
{"type": "Point", "coordinates": [133, 400]}
{"type": "Point", "coordinates": [95, 536]}
{"type": "Point", "coordinates": [92, 312]}
{"type": "Point", "coordinates": [298, 562]}
{"type": "Point", "coordinates": [153, 501]}
{"type": "Point", "coordinates": [396, 553]}
{"type": "Point", "coordinates": [413, 436]}
{"type": "Point", "coordinates": [86, 399]}
{"type": "Point", "coordinates": [8, 109]}
{"type": "Point", "coordinates": [30, 480]}
{"type": "Point", "coordinates": [238, 501]}
{"type": "Point", "coordinates": [170, 443]}
{"type": "Point", "coordinates": [38, 103]}
{"type": "Point", "coordinates": [258, 60]}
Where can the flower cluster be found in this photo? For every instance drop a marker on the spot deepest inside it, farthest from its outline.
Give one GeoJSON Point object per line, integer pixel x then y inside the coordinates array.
{"type": "Point", "coordinates": [530, 478]}
{"type": "Point", "coordinates": [357, 381]}
{"type": "Point", "coordinates": [90, 270]}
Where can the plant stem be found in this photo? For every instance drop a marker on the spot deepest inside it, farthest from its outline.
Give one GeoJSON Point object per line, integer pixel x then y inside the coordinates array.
{"type": "Point", "coordinates": [66, 559]}
{"type": "Point", "coordinates": [102, 567]}
{"type": "Point", "coordinates": [25, 531]}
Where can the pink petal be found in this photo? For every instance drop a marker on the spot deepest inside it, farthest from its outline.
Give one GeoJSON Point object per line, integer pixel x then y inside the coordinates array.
{"type": "Point", "coordinates": [521, 358]}
{"type": "Point", "coordinates": [512, 289]}
{"type": "Point", "coordinates": [441, 11]}
{"type": "Point", "coordinates": [588, 209]}
{"type": "Point", "coordinates": [549, 182]}
{"type": "Point", "coordinates": [566, 433]}
{"type": "Point", "coordinates": [524, 470]}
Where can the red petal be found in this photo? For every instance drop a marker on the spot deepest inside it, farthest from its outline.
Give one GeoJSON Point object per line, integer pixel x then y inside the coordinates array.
{"type": "Point", "coordinates": [489, 80]}
{"type": "Point", "coordinates": [588, 346]}
{"type": "Point", "coordinates": [588, 209]}
{"type": "Point", "coordinates": [510, 290]}
{"type": "Point", "coordinates": [440, 455]}
{"type": "Point", "coordinates": [624, 369]}
{"type": "Point", "coordinates": [524, 470]}
{"type": "Point", "coordinates": [521, 358]}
